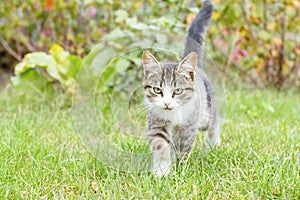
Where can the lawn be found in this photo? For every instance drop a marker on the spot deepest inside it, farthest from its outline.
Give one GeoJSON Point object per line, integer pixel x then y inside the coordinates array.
{"type": "Point", "coordinates": [42, 155]}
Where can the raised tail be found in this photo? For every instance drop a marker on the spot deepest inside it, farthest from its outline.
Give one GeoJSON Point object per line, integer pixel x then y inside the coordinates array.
{"type": "Point", "coordinates": [197, 31]}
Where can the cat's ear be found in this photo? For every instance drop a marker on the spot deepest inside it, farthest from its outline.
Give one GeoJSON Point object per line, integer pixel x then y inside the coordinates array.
{"type": "Point", "coordinates": [188, 65]}
{"type": "Point", "coordinates": [150, 63]}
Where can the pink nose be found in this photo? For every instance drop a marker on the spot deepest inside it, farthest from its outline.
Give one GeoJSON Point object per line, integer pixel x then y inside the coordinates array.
{"type": "Point", "coordinates": [167, 104]}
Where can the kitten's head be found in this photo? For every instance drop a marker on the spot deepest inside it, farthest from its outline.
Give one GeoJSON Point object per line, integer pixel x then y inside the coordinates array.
{"type": "Point", "coordinates": [168, 85]}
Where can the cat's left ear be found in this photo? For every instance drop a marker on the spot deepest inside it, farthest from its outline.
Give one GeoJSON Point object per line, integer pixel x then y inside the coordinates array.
{"type": "Point", "coordinates": [188, 65]}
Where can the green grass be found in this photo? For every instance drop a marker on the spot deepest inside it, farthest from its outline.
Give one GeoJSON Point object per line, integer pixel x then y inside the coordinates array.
{"type": "Point", "coordinates": [43, 157]}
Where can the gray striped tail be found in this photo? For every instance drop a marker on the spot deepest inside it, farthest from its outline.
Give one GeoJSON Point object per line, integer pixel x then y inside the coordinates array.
{"type": "Point", "coordinates": [197, 31]}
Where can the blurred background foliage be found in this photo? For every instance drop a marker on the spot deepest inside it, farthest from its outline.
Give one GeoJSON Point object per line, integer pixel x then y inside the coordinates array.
{"type": "Point", "coordinates": [257, 42]}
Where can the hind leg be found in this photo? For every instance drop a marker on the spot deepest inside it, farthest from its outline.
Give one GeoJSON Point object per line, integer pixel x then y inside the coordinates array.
{"type": "Point", "coordinates": [212, 137]}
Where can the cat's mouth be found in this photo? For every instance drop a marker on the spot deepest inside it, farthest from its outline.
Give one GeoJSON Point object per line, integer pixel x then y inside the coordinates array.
{"type": "Point", "coordinates": [167, 108]}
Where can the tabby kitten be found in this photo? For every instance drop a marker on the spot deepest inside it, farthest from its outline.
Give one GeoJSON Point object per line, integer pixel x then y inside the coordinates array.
{"type": "Point", "coordinates": [179, 100]}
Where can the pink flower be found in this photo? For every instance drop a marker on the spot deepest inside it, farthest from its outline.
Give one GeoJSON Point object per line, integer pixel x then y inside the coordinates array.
{"type": "Point", "coordinates": [47, 32]}
{"type": "Point", "coordinates": [225, 32]}
{"type": "Point", "coordinates": [92, 12]}
{"type": "Point", "coordinates": [271, 62]}
{"type": "Point", "coordinates": [236, 59]}
{"type": "Point", "coordinates": [244, 53]}
{"type": "Point", "coordinates": [236, 50]}
{"type": "Point", "coordinates": [220, 42]}
{"type": "Point", "coordinates": [36, 6]}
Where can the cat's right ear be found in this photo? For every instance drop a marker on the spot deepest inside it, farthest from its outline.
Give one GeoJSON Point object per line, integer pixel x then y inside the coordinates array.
{"type": "Point", "coordinates": [151, 65]}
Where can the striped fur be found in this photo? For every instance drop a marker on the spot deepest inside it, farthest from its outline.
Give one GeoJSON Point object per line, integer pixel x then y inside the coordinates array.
{"type": "Point", "coordinates": [180, 100]}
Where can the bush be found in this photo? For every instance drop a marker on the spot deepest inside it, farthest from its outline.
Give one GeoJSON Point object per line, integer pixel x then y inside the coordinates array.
{"type": "Point", "coordinates": [256, 40]}
{"type": "Point", "coordinates": [40, 71]}
{"type": "Point", "coordinates": [259, 39]}
{"type": "Point", "coordinates": [28, 26]}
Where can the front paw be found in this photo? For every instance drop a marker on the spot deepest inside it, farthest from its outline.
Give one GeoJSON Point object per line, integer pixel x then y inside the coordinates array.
{"type": "Point", "coordinates": [161, 171]}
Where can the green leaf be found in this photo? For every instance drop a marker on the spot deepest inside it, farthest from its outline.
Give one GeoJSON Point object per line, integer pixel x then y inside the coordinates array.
{"type": "Point", "coordinates": [264, 35]}
{"type": "Point", "coordinates": [122, 65]}
{"type": "Point", "coordinates": [39, 60]}
{"type": "Point", "coordinates": [73, 66]}
{"type": "Point", "coordinates": [257, 10]}
{"type": "Point", "coordinates": [229, 14]}
{"type": "Point", "coordinates": [121, 16]}
{"type": "Point", "coordinates": [105, 80]}
{"type": "Point", "coordinates": [31, 81]}
{"type": "Point", "coordinates": [161, 38]}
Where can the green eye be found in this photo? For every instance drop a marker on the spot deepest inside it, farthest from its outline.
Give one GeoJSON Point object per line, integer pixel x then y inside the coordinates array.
{"type": "Point", "coordinates": [157, 90]}
{"type": "Point", "coordinates": [178, 91]}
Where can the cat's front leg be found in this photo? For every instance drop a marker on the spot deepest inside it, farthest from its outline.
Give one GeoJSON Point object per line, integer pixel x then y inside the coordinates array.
{"type": "Point", "coordinates": [160, 145]}
{"type": "Point", "coordinates": [184, 141]}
